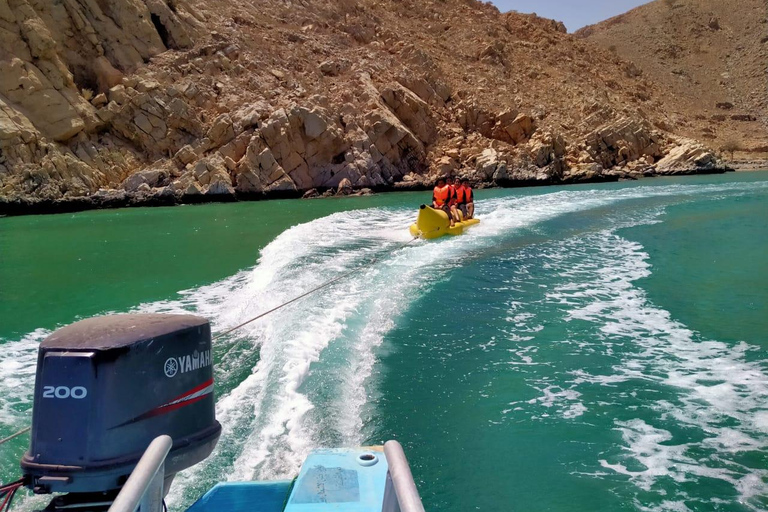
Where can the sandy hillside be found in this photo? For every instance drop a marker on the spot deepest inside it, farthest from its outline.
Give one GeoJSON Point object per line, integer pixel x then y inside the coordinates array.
{"type": "Point", "coordinates": [709, 58]}
{"type": "Point", "coordinates": [160, 101]}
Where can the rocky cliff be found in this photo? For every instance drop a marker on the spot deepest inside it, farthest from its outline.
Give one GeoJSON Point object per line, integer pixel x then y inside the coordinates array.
{"type": "Point", "coordinates": [708, 57]}
{"type": "Point", "coordinates": [112, 102]}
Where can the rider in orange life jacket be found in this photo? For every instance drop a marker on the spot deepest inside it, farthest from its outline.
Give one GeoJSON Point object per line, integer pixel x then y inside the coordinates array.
{"type": "Point", "coordinates": [461, 201]}
{"type": "Point", "coordinates": [441, 197]}
{"type": "Point", "coordinates": [453, 203]}
{"type": "Point", "coordinates": [467, 199]}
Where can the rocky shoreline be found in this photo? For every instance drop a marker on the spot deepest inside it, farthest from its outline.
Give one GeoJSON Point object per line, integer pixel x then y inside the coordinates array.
{"type": "Point", "coordinates": [748, 165]}
{"type": "Point", "coordinates": [115, 104]}
{"type": "Point", "coordinates": [113, 199]}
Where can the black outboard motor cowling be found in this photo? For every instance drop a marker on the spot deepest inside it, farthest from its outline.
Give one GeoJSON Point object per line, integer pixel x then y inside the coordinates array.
{"type": "Point", "coordinates": [106, 387]}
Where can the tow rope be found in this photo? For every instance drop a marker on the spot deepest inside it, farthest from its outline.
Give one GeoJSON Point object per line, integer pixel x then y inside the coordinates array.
{"type": "Point", "coordinates": [310, 292]}
{"type": "Point", "coordinates": [249, 321]}
{"type": "Point", "coordinates": [17, 434]}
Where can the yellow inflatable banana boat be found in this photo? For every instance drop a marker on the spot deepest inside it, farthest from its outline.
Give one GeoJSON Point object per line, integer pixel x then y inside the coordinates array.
{"type": "Point", "coordinates": [433, 223]}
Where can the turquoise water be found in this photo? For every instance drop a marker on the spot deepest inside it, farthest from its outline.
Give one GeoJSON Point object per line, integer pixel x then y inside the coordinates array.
{"type": "Point", "coordinates": [583, 348]}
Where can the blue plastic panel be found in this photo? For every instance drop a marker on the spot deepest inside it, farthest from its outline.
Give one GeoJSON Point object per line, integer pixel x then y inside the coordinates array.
{"type": "Point", "coordinates": [244, 497]}
{"type": "Point", "coordinates": [328, 485]}
{"type": "Point", "coordinates": [338, 480]}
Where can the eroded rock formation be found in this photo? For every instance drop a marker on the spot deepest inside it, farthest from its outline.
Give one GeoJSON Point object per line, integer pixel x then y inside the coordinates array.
{"type": "Point", "coordinates": [158, 101]}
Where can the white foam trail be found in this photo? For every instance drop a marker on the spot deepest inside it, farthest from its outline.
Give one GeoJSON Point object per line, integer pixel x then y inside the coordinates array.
{"type": "Point", "coordinates": [270, 404]}
{"type": "Point", "coordinates": [266, 415]}
{"type": "Point", "coordinates": [18, 362]}
{"type": "Point", "coordinates": [715, 383]}
{"type": "Point", "coordinates": [646, 445]}
{"type": "Point", "coordinates": [555, 395]}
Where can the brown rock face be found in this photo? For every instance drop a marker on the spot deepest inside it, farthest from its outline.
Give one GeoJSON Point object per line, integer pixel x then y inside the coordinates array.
{"type": "Point", "coordinates": [166, 100]}
{"type": "Point", "coordinates": [55, 56]}
{"type": "Point", "coordinates": [623, 141]}
{"type": "Point", "coordinates": [705, 56]}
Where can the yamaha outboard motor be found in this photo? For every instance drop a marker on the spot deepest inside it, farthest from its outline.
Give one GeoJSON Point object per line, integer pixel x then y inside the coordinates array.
{"type": "Point", "coordinates": [105, 388]}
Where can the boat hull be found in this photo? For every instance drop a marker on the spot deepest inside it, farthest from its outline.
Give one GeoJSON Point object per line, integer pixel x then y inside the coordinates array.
{"type": "Point", "coordinates": [432, 223]}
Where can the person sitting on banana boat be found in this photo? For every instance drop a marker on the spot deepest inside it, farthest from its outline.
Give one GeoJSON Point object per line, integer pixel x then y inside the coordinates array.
{"type": "Point", "coordinates": [441, 198]}
{"type": "Point", "coordinates": [466, 199]}
{"type": "Point", "coordinates": [454, 202]}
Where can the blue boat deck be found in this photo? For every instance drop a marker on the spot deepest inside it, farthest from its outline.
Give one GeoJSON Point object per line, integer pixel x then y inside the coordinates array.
{"type": "Point", "coordinates": [244, 497]}
{"type": "Point", "coordinates": [330, 480]}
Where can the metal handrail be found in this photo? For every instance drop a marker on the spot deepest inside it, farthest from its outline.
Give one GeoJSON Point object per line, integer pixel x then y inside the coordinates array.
{"type": "Point", "coordinates": [401, 479]}
{"type": "Point", "coordinates": [144, 489]}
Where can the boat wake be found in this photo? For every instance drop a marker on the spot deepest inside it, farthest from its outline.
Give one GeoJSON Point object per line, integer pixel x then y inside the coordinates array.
{"type": "Point", "coordinates": [697, 405]}
{"type": "Point", "coordinates": [305, 376]}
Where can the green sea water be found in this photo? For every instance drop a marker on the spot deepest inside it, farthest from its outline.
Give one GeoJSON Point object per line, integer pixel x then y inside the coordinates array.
{"type": "Point", "coordinates": [593, 347]}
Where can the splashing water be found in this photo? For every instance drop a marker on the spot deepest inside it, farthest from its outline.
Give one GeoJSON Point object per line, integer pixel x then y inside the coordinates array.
{"type": "Point", "coordinates": [315, 374]}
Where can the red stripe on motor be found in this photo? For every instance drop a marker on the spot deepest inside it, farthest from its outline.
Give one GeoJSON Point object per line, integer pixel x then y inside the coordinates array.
{"type": "Point", "coordinates": [193, 391]}
{"type": "Point", "coordinates": [170, 406]}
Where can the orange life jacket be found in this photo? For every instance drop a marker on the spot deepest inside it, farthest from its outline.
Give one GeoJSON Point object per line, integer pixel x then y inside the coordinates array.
{"type": "Point", "coordinates": [441, 195]}
{"type": "Point", "coordinates": [468, 198]}
{"type": "Point", "coordinates": [461, 196]}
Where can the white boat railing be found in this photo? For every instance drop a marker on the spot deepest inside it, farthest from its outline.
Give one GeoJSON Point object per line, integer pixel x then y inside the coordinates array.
{"type": "Point", "coordinates": [143, 491]}
{"type": "Point", "coordinates": [400, 493]}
